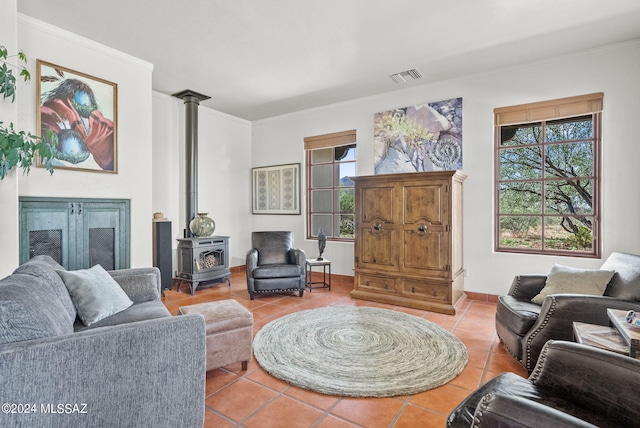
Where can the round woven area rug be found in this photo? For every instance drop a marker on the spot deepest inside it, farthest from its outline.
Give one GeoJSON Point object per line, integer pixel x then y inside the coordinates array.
{"type": "Point", "coordinates": [359, 352]}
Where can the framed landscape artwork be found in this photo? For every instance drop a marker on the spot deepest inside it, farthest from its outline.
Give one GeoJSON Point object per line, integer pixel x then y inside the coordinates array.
{"type": "Point", "coordinates": [426, 137]}
{"type": "Point", "coordinates": [276, 189]}
{"type": "Point", "coordinates": [77, 113]}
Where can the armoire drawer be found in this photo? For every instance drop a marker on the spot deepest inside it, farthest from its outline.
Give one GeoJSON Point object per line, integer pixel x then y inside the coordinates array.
{"type": "Point", "coordinates": [379, 284]}
{"type": "Point", "coordinates": [425, 290]}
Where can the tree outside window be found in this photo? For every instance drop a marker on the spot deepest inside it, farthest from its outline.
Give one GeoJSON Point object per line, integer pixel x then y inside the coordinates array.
{"type": "Point", "coordinates": [547, 186]}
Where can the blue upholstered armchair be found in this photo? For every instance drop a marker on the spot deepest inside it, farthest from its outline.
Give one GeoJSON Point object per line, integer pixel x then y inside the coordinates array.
{"type": "Point", "coordinates": [274, 265]}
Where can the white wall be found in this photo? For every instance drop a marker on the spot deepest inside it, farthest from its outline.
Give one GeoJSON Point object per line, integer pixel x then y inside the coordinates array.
{"type": "Point", "coordinates": [613, 70]}
{"type": "Point", "coordinates": [224, 177]}
{"type": "Point", "coordinates": [150, 147]}
{"type": "Point", "coordinates": [133, 180]}
{"type": "Point", "coordinates": [151, 150]}
{"type": "Point", "coordinates": [9, 186]}
{"type": "Point", "coordinates": [224, 144]}
{"type": "Point", "coordinates": [167, 158]}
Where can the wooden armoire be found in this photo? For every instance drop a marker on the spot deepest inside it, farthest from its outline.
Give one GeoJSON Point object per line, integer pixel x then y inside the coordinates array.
{"type": "Point", "coordinates": [408, 239]}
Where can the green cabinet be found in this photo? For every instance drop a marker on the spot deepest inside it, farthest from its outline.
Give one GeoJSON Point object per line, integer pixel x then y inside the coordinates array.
{"type": "Point", "coordinates": [77, 233]}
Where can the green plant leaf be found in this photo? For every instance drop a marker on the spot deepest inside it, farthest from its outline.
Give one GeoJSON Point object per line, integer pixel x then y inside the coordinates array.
{"type": "Point", "coordinates": [25, 74]}
{"type": "Point", "coordinates": [20, 148]}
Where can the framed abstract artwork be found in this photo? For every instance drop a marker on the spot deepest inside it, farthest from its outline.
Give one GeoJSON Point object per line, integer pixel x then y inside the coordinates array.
{"type": "Point", "coordinates": [77, 114]}
{"type": "Point", "coordinates": [426, 137]}
{"type": "Point", "coordinates": [276, 189]}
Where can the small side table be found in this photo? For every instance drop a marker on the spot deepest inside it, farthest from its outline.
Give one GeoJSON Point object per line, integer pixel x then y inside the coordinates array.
{"type": "Point", "coordinates": [311, 263]}
{"type": "Point", "coordinates": [629, 333]}
{"type": "Point", "coordinates": [600, 336]}
{"type": "Point", "coordinates": [619, 337]}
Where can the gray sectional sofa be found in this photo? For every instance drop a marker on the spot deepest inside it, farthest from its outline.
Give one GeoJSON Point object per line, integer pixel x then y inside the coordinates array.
{"type": "Point", "coordinates": [138, 367]}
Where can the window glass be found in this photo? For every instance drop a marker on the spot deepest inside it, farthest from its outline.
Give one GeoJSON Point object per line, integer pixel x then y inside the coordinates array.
{"type": "Point", "coordinates": [321, 155]}
{"type": "Point", "coordinates": [322, 221]}
{"type": "Point", "coordinates": [330, 191]}
{"type": "Point", "coordinates": [321, 201]}
{"type": "Point", "coordinates": [546, 190]}
{"type": "Point", "coordinates": [321, 176]}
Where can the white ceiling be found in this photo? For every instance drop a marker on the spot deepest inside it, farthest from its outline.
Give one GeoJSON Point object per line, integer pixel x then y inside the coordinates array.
{"type": "Point", "coordinates": [262, 58]}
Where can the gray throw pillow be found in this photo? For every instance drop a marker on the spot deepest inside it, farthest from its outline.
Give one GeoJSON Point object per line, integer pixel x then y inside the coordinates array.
{"type": "Point", "coordinates": [29, 309]}
{"type": "Point", "coordinates": [95, 294]}
{"type": "Point", "coordinates": [45, 267]}
{"type": "Point", "coordinates": [568, 280]}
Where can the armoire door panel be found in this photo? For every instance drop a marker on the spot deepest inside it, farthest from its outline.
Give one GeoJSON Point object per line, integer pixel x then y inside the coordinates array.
{"type": "Point", "coordinates": [377, 204]}
{"type": "Point", "coordinates": [427, 201]}
{"type": "Point", "coordinates": [377, 247]}
{"type": "Point", "coordinates": [426, 252]}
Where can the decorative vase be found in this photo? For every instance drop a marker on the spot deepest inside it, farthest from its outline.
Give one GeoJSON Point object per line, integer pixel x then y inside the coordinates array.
{"type": "Point", "coordinates": [202, 225]}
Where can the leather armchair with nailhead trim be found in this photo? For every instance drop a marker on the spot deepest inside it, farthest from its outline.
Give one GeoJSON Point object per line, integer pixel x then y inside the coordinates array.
{"type": "Point", "coordinates": [524, 327]}
{"type": "Point", "coordinates": [274, 265]}
{"type": "Point", "coordinates": [572, 385]}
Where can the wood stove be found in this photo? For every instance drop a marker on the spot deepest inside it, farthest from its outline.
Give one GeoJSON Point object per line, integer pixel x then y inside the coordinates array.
{"type": "Point", "coordinates": [200, 259]}
{"type": "Point", "coordinates": [203, 259]}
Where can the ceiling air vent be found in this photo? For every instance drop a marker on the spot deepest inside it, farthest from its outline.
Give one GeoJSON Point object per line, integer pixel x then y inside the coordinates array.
{"type": "Point", "coordinates": [402, 77]}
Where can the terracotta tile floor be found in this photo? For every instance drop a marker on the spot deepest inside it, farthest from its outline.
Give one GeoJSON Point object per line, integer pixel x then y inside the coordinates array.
{"type": "Point", "coordinates": [255, 399]}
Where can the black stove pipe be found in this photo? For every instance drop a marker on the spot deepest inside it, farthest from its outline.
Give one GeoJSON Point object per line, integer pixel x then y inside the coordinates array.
{"type": "Point", "coordinates": [191, 102]}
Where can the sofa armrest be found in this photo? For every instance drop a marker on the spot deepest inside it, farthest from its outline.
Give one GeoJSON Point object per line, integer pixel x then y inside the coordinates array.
{"type": "Point", "coordinates": [602, 381]}
{"type": "Point", "coordinates": [140, 284]}
{"type": "Point", "coordinates": [251, 261]}
{"type": "Point", "coordinates": [250, 264]}
{"type": "Point", "coordinates": [501, 411]}
{"type": "Point", "coordinates": [526, 287]}
{"type": "Point", "coordinates": [298, 257]}
{"type": "Point", "coordinates": [507, 383]}
{"type": "Point", "coordinates": [559, 312]}
{"type": "Point", "coordinates": [147, 373]}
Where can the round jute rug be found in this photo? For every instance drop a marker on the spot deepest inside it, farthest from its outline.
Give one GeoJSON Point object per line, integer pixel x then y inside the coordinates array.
{"type": "Point", "coordinates": [359, 352]}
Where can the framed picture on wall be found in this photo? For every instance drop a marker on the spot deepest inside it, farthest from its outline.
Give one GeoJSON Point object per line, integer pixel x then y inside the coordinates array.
{"type": "Point", "coordinates": [77, 114]}
{"type": "Point", "coordinates": [425, 137]}
{"type": "Point", "coordinates": [276, 189]}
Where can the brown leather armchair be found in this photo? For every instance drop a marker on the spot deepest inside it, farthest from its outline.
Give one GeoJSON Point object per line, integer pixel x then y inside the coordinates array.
{"type": "Point", "coordinates": [572, 385]}
{"type": "Point", "coordinates": [274, 265]}
{"type": "Point", "coordinates": [524, 327]}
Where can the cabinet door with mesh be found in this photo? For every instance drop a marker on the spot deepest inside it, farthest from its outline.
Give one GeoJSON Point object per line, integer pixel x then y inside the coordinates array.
{"type": "Point", "coordinates": [101, 235]}
{"type": "Point", "coordinates": [45, 229]}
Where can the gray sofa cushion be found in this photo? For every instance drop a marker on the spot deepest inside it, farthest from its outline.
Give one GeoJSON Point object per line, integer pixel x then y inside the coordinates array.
{"type": "Point", "coordinates": [140, 284]}
{"type": "Point", "coordinates": [45, 267]}
{"type": "Point", "coordinates": [138, 312]}
{"type": "Point", "coordinates": [95, 293]}
{"type": "Point", "coordinates": [29, 309]}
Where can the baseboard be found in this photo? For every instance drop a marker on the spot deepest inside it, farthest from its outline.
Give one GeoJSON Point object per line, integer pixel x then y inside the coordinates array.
{"type": "Point", "coordinates": [238, 269]}
{"type": "Point", "coordinates": [480, 297]}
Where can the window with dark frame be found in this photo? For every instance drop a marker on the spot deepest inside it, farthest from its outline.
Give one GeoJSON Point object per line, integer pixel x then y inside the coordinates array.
{"type": "Point", "coordinates": [331, 160]}
{"type": "Point", "coordinates": [547, 192]}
